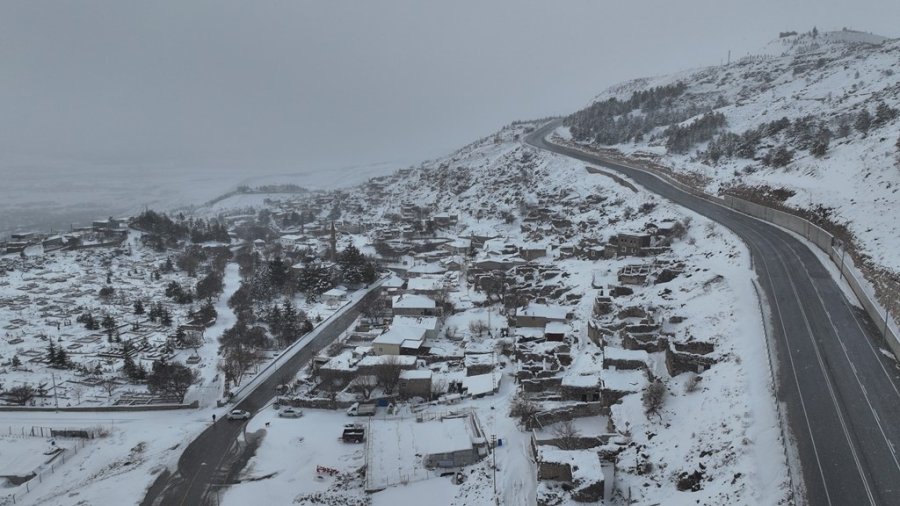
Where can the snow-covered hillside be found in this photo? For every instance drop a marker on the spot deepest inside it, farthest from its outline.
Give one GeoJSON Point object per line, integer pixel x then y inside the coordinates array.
{"type": "Point", "coordinates": [812, 116]}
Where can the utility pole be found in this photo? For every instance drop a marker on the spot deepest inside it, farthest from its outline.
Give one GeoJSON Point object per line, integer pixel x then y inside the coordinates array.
{"type": "Point", "coordinates": [494, 466]}
{"type": "Point", "coordinates": [55, 395]}
{"type": "Point", "coordinates": [887, 313]}
{"type": "Point", "coordinates": [843, 252]}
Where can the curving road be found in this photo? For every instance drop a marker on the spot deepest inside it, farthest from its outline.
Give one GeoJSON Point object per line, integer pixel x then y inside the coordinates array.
{"type": "Point", "coordinates": [841, 392]}
{"type": "Point", "coordinates": [212, 459]}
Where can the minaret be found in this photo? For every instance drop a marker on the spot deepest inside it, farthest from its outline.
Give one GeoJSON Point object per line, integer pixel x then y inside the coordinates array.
{"type": "Point", "coordinates": [333, 243]}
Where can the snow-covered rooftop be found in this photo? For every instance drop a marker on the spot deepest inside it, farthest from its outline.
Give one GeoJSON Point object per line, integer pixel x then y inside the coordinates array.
{"type": "Point", "coordinates": [412, 301]}
{"type": "Point", "coordinates": [399, 334]}
{"type": "Point", "coordinates": [544, 311]}
{"type": "Point", "coordinates": [423, 322]}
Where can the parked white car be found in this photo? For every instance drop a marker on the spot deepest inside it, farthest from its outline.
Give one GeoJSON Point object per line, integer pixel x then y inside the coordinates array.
{"type": "Point", "coordinates": [290, 412]}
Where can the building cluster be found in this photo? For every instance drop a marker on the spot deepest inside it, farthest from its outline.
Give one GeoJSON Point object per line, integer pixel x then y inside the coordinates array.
{"type": "Point", "coordinates": [110, 232]}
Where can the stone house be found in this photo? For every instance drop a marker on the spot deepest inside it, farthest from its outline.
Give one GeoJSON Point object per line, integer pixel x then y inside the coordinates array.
{"type": "Point", "coordinates": [415, 383]}
{"type": "Point", "coordinates": [539, 315]}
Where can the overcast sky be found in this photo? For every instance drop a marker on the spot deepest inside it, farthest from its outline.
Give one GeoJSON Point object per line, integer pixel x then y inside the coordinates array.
{"type": "Point", "coordinates": [290, 85]}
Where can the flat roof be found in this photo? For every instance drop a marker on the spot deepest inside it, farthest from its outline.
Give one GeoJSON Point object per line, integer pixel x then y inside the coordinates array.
{"type": "Point", "coordinates": [544, 311]}
{"type": "Point", "coordinates": [556, 328]}
{"type": "Point", "coordinates": [424, 322]}
{"type": "Point", "coordinates": [412, 301]}
{"type": "Point", "coordinates": [398, 334]}
{"type": "Point", "coordinates": [416, 374]}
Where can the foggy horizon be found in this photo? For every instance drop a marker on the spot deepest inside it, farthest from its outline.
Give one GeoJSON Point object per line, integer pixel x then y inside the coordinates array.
{"type": "Point", "coordinates": [313, 86]}
{"type": "Point", "coordinates": [108, 106]}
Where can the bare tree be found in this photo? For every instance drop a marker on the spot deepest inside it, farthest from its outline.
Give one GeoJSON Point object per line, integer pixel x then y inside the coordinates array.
{"type": "Point", "coordinates": [237, 361]}
{"type": "Point", "coordinates": [654, 397]}
{"type": "Point", "coordinates": [567, 435]}
{"type": "Point", "coordinates": [523, 409]}
{"type": "Point", "coordinates": [438, 388]}
{"type": "Point", "coordinates": [110, 385]}
{"type": "Point", "coordinates": [332, 388]}
{"type": "Point", "coordinates": [366, 384]}
{"type": "Point", "coordinates": [334, 348]}
{"type": "Point", "coordinates": [388, 372]}
{"type": "Point", "coordinates": [372, 307]}
{"type": "Point", "coordinates": [21, 394]}
{"type": "Point", "coordinates": [478, 327]}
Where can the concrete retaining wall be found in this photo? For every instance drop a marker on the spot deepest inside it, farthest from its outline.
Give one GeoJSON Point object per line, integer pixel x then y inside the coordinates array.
{"type": "Point", "coordinates": [825, 242]}
{"type": "Point", "coordinates": [148, 407]}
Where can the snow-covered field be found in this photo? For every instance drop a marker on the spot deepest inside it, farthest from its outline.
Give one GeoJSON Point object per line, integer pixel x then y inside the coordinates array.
{"type": "Point", "coordinates": [113, 469]}
{"type": "Point", "coordinates": [41, 298]}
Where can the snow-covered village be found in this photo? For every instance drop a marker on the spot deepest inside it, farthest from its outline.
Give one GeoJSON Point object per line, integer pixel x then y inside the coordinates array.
{"type": "Point", "coordinates": [682, 293]}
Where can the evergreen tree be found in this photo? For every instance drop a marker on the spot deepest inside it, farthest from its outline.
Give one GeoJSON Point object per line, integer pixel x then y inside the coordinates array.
{"type": "Point", "coordinates": [276, 321]}
{"type": "Point", "coordinates": [51, 354]}
{"type": "Point", "coordinates": [863, 121]}
{"type": "Point", "coordinates": [15, 361]}
{"type": "Point", "coordinates": [355, 267]}
{"type": "Point", "coordinates": [290, 326]}
{"type": "Point", "coordinates": [778, 157]}
{"type": "Point", "coordinates": [279, 273]}
{"type": "Point", "coordinates": [138, 307]}
{"type": "Point", "coordinates": [180, 336]}
{"type": "Point", "coordinates": [131, 370]}
{"type": "Point", "coordinates": [210, 286]}
{"type": "Point", "coordinates": [165, 318]}
{"type": "Point", "coordinates": [62, 358]}
{"type": "Point", "coordinates": [819, 148]}
{"type": "Point", "coordinates": [109, 324]}
{"type": "Point", "coordinates": [884, 114]}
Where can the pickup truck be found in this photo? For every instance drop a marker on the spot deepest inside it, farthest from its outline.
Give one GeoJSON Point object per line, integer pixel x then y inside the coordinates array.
{"type": "Point", "coordinates": [358, 409]}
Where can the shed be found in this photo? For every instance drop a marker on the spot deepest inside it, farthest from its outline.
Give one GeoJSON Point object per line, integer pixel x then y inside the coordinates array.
{"type": "Point", "coordinates": [415, 383]}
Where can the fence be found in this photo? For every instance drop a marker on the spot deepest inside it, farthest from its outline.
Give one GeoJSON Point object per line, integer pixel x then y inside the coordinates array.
{"type": "Point", "coordinates": [49, 468]}
{"type": "Point", "coordinates": [47, 432]}
{"type": "Point", "coordinates": [828, 245]}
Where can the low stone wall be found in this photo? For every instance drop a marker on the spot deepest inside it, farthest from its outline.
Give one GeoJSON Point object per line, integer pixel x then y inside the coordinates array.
{"type": "Point", "coordinates": [147, 407]}
{"type": "Point", "coordinates": [566, 413]}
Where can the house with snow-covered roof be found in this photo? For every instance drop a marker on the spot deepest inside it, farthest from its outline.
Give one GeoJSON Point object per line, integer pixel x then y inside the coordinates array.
{"type": "Point", "coordinates": [425, 269]}
{"type": "Point", "coordinates": [413, 305]}
{"type": "Point", "coordinates": [539, 315]}
{"type": "Point", "coordinates": [334, 297]}
{"type": "Point", "coordinates": [430, 285]}
{"type": "Point", "coordinates": [399, 341]}
{"type": "Point", "coordinates": [431, 324]}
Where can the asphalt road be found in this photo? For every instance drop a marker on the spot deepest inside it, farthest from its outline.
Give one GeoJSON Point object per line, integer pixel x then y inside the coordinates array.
{"type": "Point", "coordinates": [209, 459]}
{"type": "Point", "coordinates": [841, 393]}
